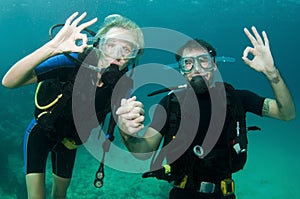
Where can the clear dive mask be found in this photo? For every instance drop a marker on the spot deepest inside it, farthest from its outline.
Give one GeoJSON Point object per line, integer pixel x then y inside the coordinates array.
{"type": "Point", "coordinates": [204, 61]}
{"type": "Point", "coordinates": [118, 48]}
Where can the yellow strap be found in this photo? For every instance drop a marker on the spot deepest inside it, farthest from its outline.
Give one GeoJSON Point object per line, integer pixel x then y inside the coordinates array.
{"type": "Point", "coordinates": [69, 143]}
{"type": "Point", "coordinates": [46, 106]}
{"type": "Point", "coordinates": [167, 168]}
{"type": "Point", "coordinates": [42, 113]}
{"type": "Point", "coordinates": [182, 183]}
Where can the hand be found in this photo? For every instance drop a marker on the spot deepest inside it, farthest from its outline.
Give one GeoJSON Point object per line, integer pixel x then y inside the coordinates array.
{"type": "Point", "coordinates": [262, 60]}
{"type": "Point", "coordinates": [65, 39]}
{"type": "Point", "coordinates": [130, 116]}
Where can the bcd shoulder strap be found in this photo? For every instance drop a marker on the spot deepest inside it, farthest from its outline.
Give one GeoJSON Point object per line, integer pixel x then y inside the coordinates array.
{"type": "Point", "coordinates": [174, 118]}
{"type": "Point", "coordinates": [237, 134]}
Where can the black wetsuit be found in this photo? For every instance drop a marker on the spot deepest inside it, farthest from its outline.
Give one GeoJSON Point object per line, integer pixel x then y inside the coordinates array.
{"type": "Point", "coordinates": [216, 167]}
{"type": "Point", "coordinates": [38, 142]}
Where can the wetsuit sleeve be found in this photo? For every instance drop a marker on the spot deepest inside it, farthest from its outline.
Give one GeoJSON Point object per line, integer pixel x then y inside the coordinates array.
{"type": "Point", "coordinates": [160, 117]}
{"type": "Point", "coordinates": [48, 68]}
{"type": "Point", "coordinates": [251, 102]}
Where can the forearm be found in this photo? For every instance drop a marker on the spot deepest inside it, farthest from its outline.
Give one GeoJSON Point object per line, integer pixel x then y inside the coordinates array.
{"type": "Point", "coordinates": [135, 144]}
{"type": "Point", "coordinates": [283, 97]}
{"type": "Point", "coordinates": [142, 147]}
{"type": "Point", "coordinates": [22, 72]}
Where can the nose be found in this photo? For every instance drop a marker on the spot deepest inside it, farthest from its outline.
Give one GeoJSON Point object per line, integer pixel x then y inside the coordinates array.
{"type": "Point", "coordinates": [117, 53]}
{"type": "Point", "coordinates": [198, 69]}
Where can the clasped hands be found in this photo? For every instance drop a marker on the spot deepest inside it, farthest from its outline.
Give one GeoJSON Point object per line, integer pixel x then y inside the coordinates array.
{"type": "Point", "coordinates": [130, 116]}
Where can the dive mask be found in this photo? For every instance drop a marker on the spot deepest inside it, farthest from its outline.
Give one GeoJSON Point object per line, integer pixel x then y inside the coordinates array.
{"type": "Point", "coordinates": [204, 61]}
{"type": "Point", "coordinates": [118, 48]}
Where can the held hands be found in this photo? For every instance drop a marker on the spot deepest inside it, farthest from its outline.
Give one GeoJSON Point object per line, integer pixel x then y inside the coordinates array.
{"type": "Point", "coordinates": [65, 39]}
{"type": "Point", "coordinates": [130, 116]}
{"type": "Point", "coordinates": [262, 60]}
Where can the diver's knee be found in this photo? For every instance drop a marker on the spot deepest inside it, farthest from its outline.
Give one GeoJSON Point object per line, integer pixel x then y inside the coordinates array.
{"type": "Point", "coordinates": [35, 183]}
{"type": "Point", "coordinates": [60, 186]}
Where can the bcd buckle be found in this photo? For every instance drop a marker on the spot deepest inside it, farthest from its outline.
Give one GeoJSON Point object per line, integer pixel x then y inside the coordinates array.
{"type": "Point", "coordinates": [207, 187]}
{"type": "Point", "coordinates": [227, 187]}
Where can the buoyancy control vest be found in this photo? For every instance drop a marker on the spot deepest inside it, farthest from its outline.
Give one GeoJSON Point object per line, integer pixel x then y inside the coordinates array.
{"type": "Point", "coordinates": [53, 98]}
{"type": "Point", "coordinates": [236, 149]}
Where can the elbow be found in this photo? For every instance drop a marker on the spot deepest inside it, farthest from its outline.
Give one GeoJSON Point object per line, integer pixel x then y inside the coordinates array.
{"type": "Point", "coordinates": [16, 81]}
{"type": "Point", "coordinates": [290, 116]}
{"type": "Point", "coordinates": [6, 83]}
{"type": "Point", "coordinates": [11, 82]}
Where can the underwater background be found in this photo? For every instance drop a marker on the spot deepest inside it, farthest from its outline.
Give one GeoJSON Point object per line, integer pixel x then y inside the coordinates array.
{"type": "Point", "coordinates": [272, 170]}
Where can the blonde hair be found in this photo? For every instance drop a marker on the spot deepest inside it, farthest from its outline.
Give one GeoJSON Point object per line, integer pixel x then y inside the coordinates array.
{"type": "Point", "coordinates": [118, 21]}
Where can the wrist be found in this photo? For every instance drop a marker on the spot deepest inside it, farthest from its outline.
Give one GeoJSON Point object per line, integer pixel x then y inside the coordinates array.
{"type": "Point", "coordinates": [273, 75]}
{"type": "Point", "coordinates": [126, 137]}
{"type": "Point", "coordinates": [52, 48]}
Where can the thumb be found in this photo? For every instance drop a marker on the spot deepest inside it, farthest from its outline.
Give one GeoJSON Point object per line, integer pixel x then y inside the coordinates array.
{"type": "Point", "coordinates": [123, 101]}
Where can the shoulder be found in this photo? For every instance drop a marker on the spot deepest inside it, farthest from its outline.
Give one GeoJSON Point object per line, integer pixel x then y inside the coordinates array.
{"type": "Point", "coordinates": [61, 73]}
{"type": "Point", "coordinates": [241, 93]}
{"type": "Point", "coordinates": [251, 101]}
{"type": "Point", "coordinates": [247, 94]}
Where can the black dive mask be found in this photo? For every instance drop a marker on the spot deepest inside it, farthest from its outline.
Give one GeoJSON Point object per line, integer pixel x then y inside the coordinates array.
{"type": "Point", "coordinates": [199, 84]}
{"type": "Point", "coordinates": [111, 75]}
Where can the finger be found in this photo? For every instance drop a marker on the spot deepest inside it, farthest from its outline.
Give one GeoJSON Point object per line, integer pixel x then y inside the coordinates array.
{"type": "Point", "coordinates": [266, 39]}
{"type": "Point", "coordinates": [84, 39]}
{"type": "Point", "coordinates": [247, 51]}
{"type": "Point", "coordinates": [76, 21]}
{"type": "Point", "coordinates": [122, 110]}
{"type": "Point", "coordinates": [135, 123]}
{"type": "Point", "coordinates": [79, 49]}
{"type": "Point", "coordinates": [134, 130]}
{"type": "Point", "coordinates": [126, 108]}
{"type": "Point", "coordinates": [257, 36]}
{"type": "Point", "coordinates": [133, 104]}
{"type": "Point", "coordinates": [133, 98]}
{"type": "Point", "coordinates": [142, 112]}
{"type": "Point", "coordinates": [138, 110]}
{"type": "Point", "coordinates": [247, 61]}
{"type": "Point", "coordinates": [139, 119]}
{"type": "Point", "coordinates": [87, 24]}
{"type": "Point", "coordinates": [136, 104]}
{"type": "Point", "coordinates": [128, 105]}
{"type": "Point", "coordinates": [123, 101]}
{"type": "Point", "coordinates": [250, 36]}
{"type": "Point", "coordinates": [129, 116]}
{"type": "Point", "coordinates": [70, 19]}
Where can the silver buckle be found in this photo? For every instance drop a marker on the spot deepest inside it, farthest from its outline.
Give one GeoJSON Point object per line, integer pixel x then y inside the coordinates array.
{"type": "Point", "coordinates": [207, 187]}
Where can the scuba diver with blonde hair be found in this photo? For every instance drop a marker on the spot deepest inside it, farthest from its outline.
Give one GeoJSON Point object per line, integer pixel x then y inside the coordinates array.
{"type": "Point", "coordinates": [117, 46]}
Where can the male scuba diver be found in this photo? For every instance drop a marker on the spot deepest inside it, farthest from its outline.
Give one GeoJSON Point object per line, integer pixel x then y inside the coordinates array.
{"type": "Point", "coordinates": [204, 134]}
